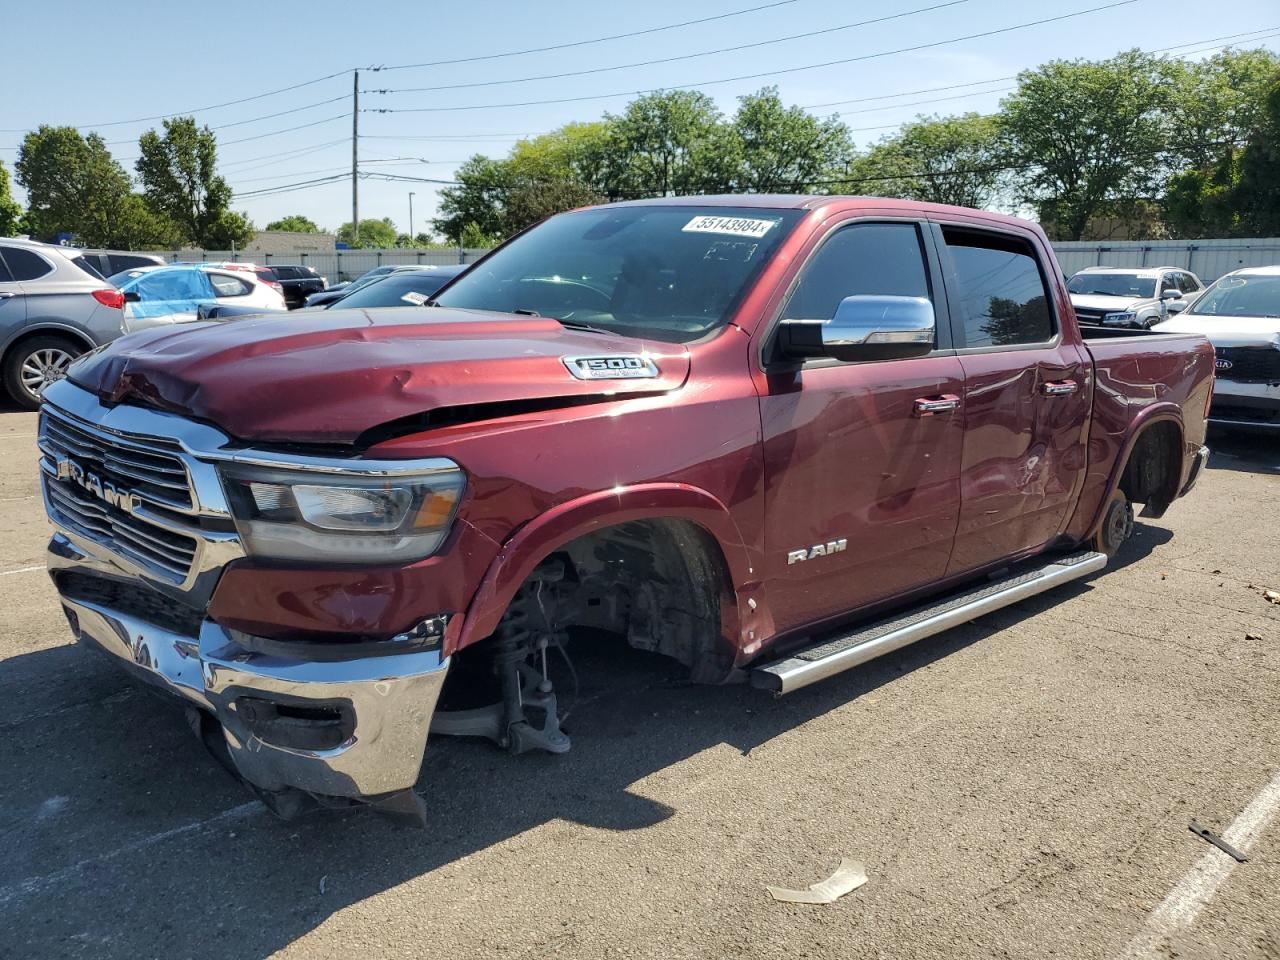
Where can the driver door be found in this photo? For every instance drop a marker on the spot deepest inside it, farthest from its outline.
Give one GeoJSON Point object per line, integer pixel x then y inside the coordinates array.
{"type": "Point", "coordinates": [862, 468]}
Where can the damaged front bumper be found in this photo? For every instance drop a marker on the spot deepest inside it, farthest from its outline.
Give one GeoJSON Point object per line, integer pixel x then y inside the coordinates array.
{"type": "Point", "coordinates": [353, 729]}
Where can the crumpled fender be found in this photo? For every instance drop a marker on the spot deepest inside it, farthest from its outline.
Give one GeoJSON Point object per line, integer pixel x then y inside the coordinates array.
{"type": "Point", "coordinates": [526, 548]}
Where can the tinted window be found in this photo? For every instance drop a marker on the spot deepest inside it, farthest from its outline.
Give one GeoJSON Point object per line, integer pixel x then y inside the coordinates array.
{"type": "Point", "coordinates": [25, 265]}
{"type": "Point", "coordinates": [5, 275]}
{"type": "Point", "coordinates": [225, 285]}
{"type": "Point", "coordinates": [1188, 283]}
{"type": "Point", "coordinates": [286, 273]}
{"type": "Point", "coordinates": [1001, 298]}
{"type": "Point", "coordinates": [870, 258]}
{"type": "Point", "coordinates": [89, 265]}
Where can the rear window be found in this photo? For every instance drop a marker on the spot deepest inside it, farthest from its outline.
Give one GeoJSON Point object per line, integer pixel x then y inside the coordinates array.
{"type": "Point", "coordinates": [1003, 299]}
{"type": "Point", "coordinates": [25, 265]}
{"type": "Point", "coordinates": [88, 266]}
{"type": "Point", "coordinates": [267, 274]}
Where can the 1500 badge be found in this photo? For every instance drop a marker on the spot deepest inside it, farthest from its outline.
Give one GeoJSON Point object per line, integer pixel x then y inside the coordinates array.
{"type": "Point", "coordinates": [618, 366]}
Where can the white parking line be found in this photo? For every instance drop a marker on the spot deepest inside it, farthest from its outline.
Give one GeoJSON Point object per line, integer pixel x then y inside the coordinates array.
{"type": "Point", "coordinates": [29, 496]}
{"type": "Point", "coordinates": [10, 573]}
{"type": "Point", "coordinates": [17, 436]}
{"type": "Point", "coordinates": [1179, 909]}
{"type": "Point", "coordinates": [31, 885]}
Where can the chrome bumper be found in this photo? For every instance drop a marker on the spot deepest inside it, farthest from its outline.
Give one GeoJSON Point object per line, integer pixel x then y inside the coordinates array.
{"type": "Point", "coordinates": [1201, 461]}
{"type": "Point", "coordinates": [388, 700]}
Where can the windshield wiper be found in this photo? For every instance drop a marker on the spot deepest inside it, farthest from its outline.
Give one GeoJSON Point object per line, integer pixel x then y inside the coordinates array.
{"type": "Point", "coordinates": [583, 327]}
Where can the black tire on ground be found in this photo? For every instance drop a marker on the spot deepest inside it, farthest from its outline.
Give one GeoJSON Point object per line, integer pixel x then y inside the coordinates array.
{"type": "Point", "coordinates": [1117, 525]}
{"type": "Point", "coordinates": [32, 364]}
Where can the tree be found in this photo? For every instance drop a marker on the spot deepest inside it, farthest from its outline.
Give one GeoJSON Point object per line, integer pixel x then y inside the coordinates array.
{"type": "Point", "coordinates": [530, 201]}
{"type": "Point", "coordinates": [10, 209]}
{"type": "Point", "coordinates": [73, 185]}
{"type": "Point", "coordinates": [295, 223]}
{"type": "Point", "coordinates": [776, 149]}
{"type": "Point", "coordinates": [476, 203]}
{"type": "Point", "coordinates": [1089, 137]}
{"type": "Point", "coordinates": [955, 160]}
{"type": "Point", "coordinates": [1258, 189]}
{"type": "Point", "coordinates": [665, 142]}
{"type": "Point", "coordinates": [1219, 103]}
{"type": "Point", "coordinates": [374, 234]}
{"type": "Point", "coordinates": [180, 180]}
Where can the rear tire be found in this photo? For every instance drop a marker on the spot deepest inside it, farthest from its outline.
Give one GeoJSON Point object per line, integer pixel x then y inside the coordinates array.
{"type": "Point", "coordinates": [31, 365]}
{"type": "Point", "coordinates": [1116, 527]}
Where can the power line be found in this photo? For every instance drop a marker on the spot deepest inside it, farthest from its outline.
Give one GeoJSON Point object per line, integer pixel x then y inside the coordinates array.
{"type": "Point", "coordinates": [583, 43]}
{"type": "Point", "coordinates": [686, 56]}
{"type": "Point", "coordinates": [213, 106]}
{"type": "Point", "coordinates": [285, 154]}
{"type": "Point", "coordinates": [276, 133]}
{"type": "Point", "coordinates": [770, 73]}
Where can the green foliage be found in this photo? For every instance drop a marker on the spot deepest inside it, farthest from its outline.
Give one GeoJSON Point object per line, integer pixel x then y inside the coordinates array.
{"type": "Point", "coordinates": [1090, 137]}
{"type": "Point", "coordinates": [295, 223]}
{"type": "Point", "coordinates": [75, 186]}
{"type": "Point", "coordinates": [956, 160]}
{"type": "Point", "coordinates": [374, 234]}
{"type": "Point", "coordinates": [179, 179]}
{"type": "Point", "coordinates": [772, 148]}
{"type": "Point", "coordinates": [664, 142]}
{"type": "Point", "coordinates": [1258, 192]}
{"type": "Point", "coordinates": [10, 209]}
{"type": "Point", "coordinates": [476, 203]}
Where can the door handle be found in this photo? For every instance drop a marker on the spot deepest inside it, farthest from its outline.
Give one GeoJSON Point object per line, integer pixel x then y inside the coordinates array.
{"type": "Point", "coordinates": [1059, 388]}
{"type": "Point", "coordinates": [6, 294]}
{"type": "Point", "coordinates": [928, 406]}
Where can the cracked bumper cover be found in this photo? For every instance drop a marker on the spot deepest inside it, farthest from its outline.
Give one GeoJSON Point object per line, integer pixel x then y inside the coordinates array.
{"type": "Point", "coordinates": [389, 699]}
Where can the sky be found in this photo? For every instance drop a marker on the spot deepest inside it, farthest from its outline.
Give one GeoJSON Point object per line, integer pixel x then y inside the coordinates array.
{"type": "Point", "coordinates": [111, 67]}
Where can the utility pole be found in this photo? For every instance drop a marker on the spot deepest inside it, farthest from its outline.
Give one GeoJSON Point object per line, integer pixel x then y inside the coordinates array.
{"type": "Point", "coordinates": [410, 218]}
{"type": "Point", "coordinates": [355, 157]}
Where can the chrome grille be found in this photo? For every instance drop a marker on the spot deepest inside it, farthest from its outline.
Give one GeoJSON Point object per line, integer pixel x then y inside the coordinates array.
{"type": "Point", "coordinates": [153, 532]}
{"type": "Point", "coordinates": [150, 467]}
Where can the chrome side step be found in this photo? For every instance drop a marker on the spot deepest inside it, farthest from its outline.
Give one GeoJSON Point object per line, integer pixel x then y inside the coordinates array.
{"type": "Point", "coordinates": [842, 652]}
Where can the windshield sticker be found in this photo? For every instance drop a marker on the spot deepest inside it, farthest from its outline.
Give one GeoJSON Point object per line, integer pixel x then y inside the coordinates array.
{"type": "Point", "coordinates": [416, 298]}
{"type": "Point", "coordinates": [730, 226]}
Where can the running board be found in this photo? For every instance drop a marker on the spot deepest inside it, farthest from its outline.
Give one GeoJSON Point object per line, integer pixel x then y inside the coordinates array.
{"type": "Point", "coordinates": [844, 651]}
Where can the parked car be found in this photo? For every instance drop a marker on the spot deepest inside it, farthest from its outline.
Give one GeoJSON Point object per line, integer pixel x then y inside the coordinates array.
{"type": "Point", "coordinates": [768, 437]}
{"type": "Point", "coordinates": [109, 262]}
{"type": "Point", "coordinates": [332, 293]}
{"type": "Point", "coordinates": [118, 280]}
{"type": "Point", "coordinates": [53, 307]}
{"type": "Point", "coordinates": [298, 282]}
{"type": "Point", "coordinates": [1240, 314]}
{"type": "Point", "coordinates": [1122, 297]}
{"type": "Point", "coordinates": [173, 294]}
{"type": "Point", "coordinates": [400, 288]}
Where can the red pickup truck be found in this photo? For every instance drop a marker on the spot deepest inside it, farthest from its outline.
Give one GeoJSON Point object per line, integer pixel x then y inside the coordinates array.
{"type": "Point", "coordinates": [768, 437]}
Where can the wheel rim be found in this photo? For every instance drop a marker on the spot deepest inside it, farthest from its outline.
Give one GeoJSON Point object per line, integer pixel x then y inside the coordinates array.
{"type": "Point", "coordinates": [1119, 524]}
{"type": "Point", "coordinates": [43, 367]}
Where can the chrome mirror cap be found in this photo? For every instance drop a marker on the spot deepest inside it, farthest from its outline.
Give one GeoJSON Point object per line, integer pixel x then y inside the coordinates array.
{"type": "Point", "coordinates": [865, 328]}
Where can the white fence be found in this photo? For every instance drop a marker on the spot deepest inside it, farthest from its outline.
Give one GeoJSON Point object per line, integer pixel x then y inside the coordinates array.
{"type": "Point", "coordinates": [1207, 259]}
{"type": "Point", "coordinates": [337, 265]}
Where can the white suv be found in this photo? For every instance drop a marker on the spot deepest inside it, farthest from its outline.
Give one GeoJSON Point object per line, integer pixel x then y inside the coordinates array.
{"type": "Point", "coordinates": [1129, 297]}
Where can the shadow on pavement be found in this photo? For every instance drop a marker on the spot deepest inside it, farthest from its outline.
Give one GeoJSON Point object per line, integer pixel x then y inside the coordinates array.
{"type": "Point", "coordinates": [1246, 451]}
{"type": "Point", "coordinates": [117, 839]}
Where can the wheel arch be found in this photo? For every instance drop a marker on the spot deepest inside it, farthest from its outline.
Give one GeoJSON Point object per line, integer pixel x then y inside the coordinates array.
{"type": "Point", "coordinates": [598, 512]}
{"type": "Point", "coordinates": [44, 328]}
{"type": "Point", "coordinates": [1148, 467]}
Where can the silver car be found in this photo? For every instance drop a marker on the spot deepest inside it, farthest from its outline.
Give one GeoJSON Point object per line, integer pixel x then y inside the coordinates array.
{"type": "Point", "coordinates": [54, 306]}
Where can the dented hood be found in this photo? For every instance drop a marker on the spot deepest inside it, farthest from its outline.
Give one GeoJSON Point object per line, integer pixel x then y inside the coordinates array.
{"type": "Point", "coordinates": [327, 377]}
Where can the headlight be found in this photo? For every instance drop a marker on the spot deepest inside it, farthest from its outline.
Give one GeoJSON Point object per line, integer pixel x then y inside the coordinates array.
{"type": "Point", "coordinates": [300, 515]}
{"type": "Point", "coordinates": [1126, 319]}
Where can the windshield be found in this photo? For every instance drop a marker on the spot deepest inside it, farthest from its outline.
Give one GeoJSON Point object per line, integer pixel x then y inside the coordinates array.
{"type": "Point", "coordinates": [1240, 297]}
{"type": "Point", "coordinates": [1113, 285]}
{"type": "Point", "coordinates": [410, 288]}
{"type": "Point", "coordinates": [666, 273]}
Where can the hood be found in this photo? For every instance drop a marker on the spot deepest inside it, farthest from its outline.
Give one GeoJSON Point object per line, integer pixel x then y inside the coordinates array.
{"type": "Point", "coordinates": [329, 376]}
{"type": "Point", "coordinates": [1083, 301]}
{"type": "Point", "coordinates": [1226, 331]}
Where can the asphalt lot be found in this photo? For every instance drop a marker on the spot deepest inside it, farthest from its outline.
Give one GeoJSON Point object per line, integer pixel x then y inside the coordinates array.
{"type": "Point", "coordinates": [1019, 787]}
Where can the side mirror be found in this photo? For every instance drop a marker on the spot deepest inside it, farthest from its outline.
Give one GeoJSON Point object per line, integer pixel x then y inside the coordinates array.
{"type": "Point", "coordinates": [132, 296]}
{"type": "Point", "coordinates": [864, 328]}
{"type": "Point", "coordinates": [1171, 294]}
{"type": "Point", "coordinates": [1176, 306]}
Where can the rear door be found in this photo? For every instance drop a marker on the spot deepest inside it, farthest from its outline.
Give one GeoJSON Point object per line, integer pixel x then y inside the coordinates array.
{"type": "Point", "coordinates": [1027, 395]}
{"type": "Point", "coordinates": [861, 478]}
{"type": "Point", "coordinates": [13, 304]}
